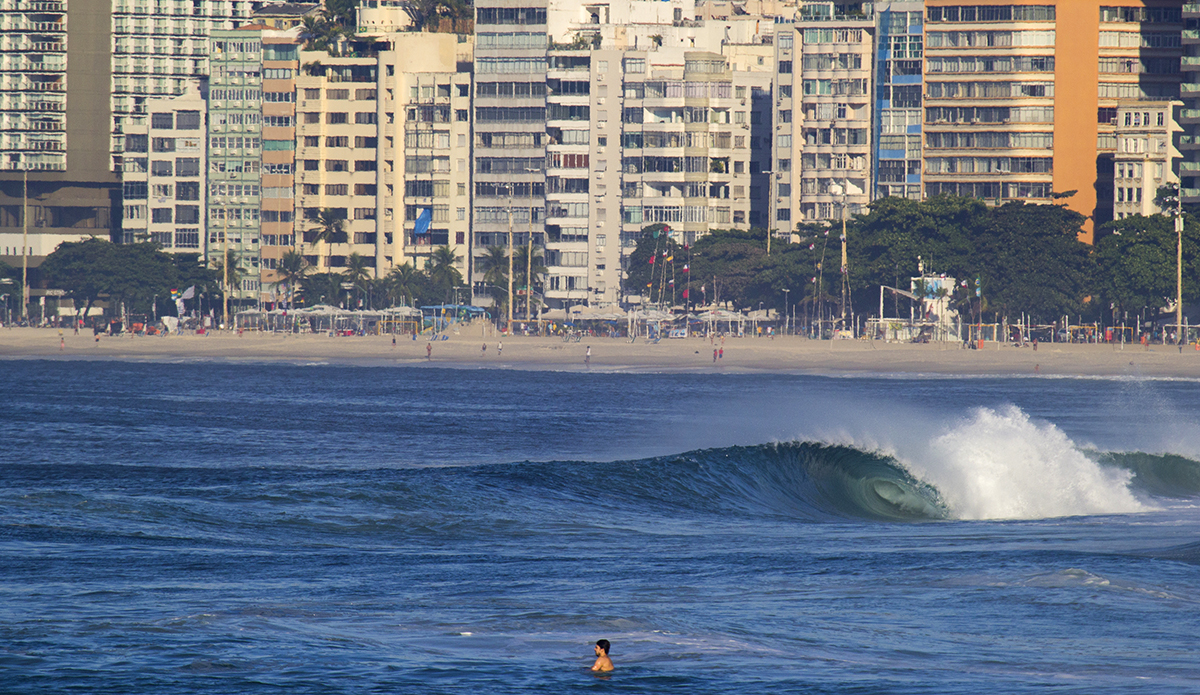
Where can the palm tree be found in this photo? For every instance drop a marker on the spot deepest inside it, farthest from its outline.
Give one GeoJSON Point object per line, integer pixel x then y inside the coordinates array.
{"type": "Point", "coordinates": [322, 288]}
{"type": "Point", "coordinates": [403, 283]}
{"type": "Point", "coordinates": [494, 265]}
{"type": "Point", "coordinates": [292, 269]}
{"type": "Point", "coordinates": [441, 270]}
{"type": "Point", "coordinates": [329, 229]}
{"type": "Point", "coordinates": [357, 273]}
{"type": "Point", "coordinates": [377, 293]}
{"type": "Point", "coordinates": [523, 267]}
{"type": "Point", "coordinates": [236, 273]}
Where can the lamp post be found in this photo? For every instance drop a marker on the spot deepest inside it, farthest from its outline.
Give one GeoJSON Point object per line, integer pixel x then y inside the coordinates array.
{"type": "Point", "coordinates": [1179, 262]}
{"type": "Point", "coordinates": [769, 173]}
{"type": "Point", "coordinates": [529, 258]}
{"type": "Point", "coordinates": [24, 240]}
{"type": "Point", "coordinates": [839, 189]}
{"type": "Point", "coordinates": [786, 318]}
{"type": "Point", "coordinates": [508, 326]}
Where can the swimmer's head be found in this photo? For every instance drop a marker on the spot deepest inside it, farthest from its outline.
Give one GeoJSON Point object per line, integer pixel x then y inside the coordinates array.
{"type": "Point", "coordinates": [603, 644]}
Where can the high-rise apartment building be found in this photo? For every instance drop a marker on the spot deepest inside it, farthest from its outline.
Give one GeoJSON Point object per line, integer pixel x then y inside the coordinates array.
{"type": "Point", "coordinates": [1017, 108]}
{"type": "Point", "coordinates": [280, 64]}
{"type": "Point", "coordinates": [54, 116]}
{"type": "Point", "coordinates": [899, 65]}
{"type": "Point", "coordinates": [510, 121]}
{"type": "Point", "coordinates": [1189, 116]}
{"type": "Point", "coordinates": [823, 119]}
{"type": "Point", "coordinates": [164, 174]}
{"type": "Point", "coordinates": [425, 150]}
{"type": "Point", "coordinates": [235, 98]}
{"type": "Point", "coordinates": [337, 152]}
{"type": "Point", "coordinates": [158, 47]}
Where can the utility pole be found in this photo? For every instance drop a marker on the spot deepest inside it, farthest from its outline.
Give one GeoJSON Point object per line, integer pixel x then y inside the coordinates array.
{"type": "Point", "coordinates": [508, 328]}
{"type": "Point", "coordinates": [25, 240]}
{"type": "Point", "coordinates": [845, 262]}
{"type": "Point", "coordinates": [1179, 262]}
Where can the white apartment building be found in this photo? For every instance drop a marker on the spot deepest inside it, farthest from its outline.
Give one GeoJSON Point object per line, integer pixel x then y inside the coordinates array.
{"type": "Point", "coordinates": [425, 150]}
{"type": "Point", "coordinates": [1145, 157]}
{"type": "Point", "coordinates": [158, 47]}
{"type": "Point", "coordinates": [337, 155]}
{"type": "Point", "coordinates": [823, 120]}
{"type": "Point", "coordinates": [164, 175]}
{"type": "Point", "coordinates": [33, 85]}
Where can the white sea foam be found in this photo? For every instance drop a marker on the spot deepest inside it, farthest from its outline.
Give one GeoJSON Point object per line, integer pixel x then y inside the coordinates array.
{"type": "Point", "coordinates": [991, 463]}
{"type": "Point", "coordinates": [999, 464]}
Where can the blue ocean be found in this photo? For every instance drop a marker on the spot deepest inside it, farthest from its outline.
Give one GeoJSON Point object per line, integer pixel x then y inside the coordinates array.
{"type": "Point", "coordinates": [315, 528]}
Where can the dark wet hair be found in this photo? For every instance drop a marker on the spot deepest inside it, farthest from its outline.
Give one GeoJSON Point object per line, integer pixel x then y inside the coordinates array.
{"type": "Point", "coordinates": [603, 644]}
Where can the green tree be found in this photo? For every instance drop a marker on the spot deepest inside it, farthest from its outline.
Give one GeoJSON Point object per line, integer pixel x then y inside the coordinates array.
{"type": "Point", "coordinates": [84, 269]}
{"type": "Point", "coordinates": [328, 228]}
{"type": "Point", "coordinates": [1135, 263]}
{"type": "Point", "coordinates": [404, 284]}
{"type": "Point", "coordinates": [443, 274]}
{"type": "Point", "coordinates": [129, 274]}
{"type": "Point", "coordinates": [494, 266]}
{"type": "Point", "coordinates": [525, 267]}
{"type": "Point", "coordinates": [322, 288]}
{"type": "Point", "coordinates": [231, 283]}
{"type": "Point", "coordinates": [358, 274]}
{"type": "Point", "coordinates": [291, 271]}
{"type": "Point", "coordinates": [1031, 261]}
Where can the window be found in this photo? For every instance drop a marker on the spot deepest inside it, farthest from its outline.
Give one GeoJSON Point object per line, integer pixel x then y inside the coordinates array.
{"type": "Point", "coordinates": [187, 120]}
{"type": "Point", "coordinates": [188, 214]}
{"type": "Point", "coordinates": [162, 121]}
{"type": "Point", "coordinates": [336, 118]}
{"type": "Point", "coordinates": [187, 166]}
{"type": "Point", "coordinates": [161, 168]}
{"type": "Point", "coordinates": [337, 189]}
{"type": "Point", "coordinates": [365, 118]}
{"type": "Point", "coordinates": [161, 215]}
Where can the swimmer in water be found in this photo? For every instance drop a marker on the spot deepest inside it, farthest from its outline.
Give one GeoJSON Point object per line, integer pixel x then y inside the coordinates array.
{"type": "Point", "coordinates": [603, 663]}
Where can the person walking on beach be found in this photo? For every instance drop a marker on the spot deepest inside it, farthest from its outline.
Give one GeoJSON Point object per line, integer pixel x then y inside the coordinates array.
{"type": "Point", "coordinates": [714, 355]}
{"type": "Point", "coordinates": [393, 342]}
{"type": "Point", "coordinates": [428, 351]}
{"type": "Point", "coordinates": [603, 663]}
{"type": "Point", "coordinates": [483, 350]}
{"type": "Point", "coordinates": [499, 348]}
{"type": "Point", "coordinates": [587, 356]}
{"type": "Point", "coordinates": [721, 353]}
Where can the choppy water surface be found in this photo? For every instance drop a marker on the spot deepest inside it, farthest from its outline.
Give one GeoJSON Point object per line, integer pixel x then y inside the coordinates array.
{"type": "Point", "coordinates": [210, 528]}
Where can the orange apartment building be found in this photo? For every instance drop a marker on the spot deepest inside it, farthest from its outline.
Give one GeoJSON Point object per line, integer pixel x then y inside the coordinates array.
{"type": "Point", "coordinates": [1022, 99]}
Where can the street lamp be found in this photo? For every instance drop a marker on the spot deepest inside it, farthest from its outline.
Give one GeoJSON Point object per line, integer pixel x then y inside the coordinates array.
{"type": "Point", "coordinates": [839, 189]}
{"type": "Point", "coordinates": [786, 318]}
{"type": "Point", "coordinates": [25, 239]}
{"type": "Point", "coordinates": [1179, 262]}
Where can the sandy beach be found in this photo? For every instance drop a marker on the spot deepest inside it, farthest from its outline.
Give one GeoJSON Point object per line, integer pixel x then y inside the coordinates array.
{"type": "Point", "coordinates": [781, 354]}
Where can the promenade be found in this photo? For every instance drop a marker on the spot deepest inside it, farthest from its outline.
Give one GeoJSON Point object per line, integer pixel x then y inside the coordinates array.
{"type": "Point", "coordinates": [781, 354]}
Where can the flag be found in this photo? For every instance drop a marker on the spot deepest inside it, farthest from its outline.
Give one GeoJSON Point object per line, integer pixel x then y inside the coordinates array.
{"type": "Point", "coordinates": [685, 293]}
{"type": "Point", "coordinates": [670, 258]}
{"type": "Point", "coordinates": [188, 293]}
{"type": "Point", "coordinates": [652, 260]}
{"type": "Point", "coordinates": [423, 220]}
{"type": "Point", "coordinates": [671, 282]}
{"type": "Point", "coordinates": [648, 284]}
{"type": "Point", "coordinates": [686, 269]}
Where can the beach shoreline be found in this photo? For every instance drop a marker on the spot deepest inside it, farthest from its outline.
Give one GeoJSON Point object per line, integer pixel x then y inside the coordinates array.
{"type": "Point", "coordinates": [782, 354]}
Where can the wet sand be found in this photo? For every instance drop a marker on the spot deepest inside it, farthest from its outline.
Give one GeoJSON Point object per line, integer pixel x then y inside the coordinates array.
{"type": "Point", "coordinates": [782, 354]}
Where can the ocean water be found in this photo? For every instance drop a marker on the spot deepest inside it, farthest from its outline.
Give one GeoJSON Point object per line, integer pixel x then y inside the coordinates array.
{"type": "Point", "coordinates": [212, 528]}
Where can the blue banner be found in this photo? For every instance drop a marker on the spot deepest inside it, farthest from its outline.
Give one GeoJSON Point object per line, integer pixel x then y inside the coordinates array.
{"type": "Point", "coordinates": [423, 221]}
